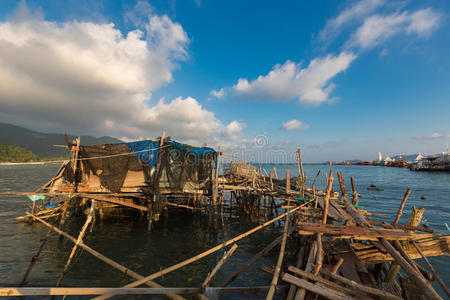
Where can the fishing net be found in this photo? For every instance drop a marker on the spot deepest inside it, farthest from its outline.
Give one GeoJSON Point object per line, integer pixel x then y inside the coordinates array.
{"type": "Point", "coordinates": [176, 167]}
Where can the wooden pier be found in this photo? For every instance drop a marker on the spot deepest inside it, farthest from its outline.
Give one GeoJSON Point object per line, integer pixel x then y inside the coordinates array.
{"type": "Point", "coordinates": [340, 252]}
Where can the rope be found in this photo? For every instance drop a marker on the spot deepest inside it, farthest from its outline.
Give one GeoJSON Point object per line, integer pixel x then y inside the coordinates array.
{"type": "Point", "coordinates": [105, 156]}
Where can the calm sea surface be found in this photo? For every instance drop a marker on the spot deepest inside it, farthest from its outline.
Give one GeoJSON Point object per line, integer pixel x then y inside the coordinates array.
{"type": "Point", "coordinates": [181, 234]}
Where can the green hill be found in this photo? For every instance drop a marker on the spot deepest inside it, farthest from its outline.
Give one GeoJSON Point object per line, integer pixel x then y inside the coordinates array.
{"type": "Point", "coordinates": [11, 153]}
{"type": "Point", "coordinates": [41, 144]}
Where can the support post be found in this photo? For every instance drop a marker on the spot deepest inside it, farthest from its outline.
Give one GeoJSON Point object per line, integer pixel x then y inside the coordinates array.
{"type": "Point", "coordinates": [402, 205]}
{"type": "Point", "coordinates": [354, 193]}
{"type": "Point", "coordinates": [288, 181]}
{"type": "Point", "coordinates": [327, 198]}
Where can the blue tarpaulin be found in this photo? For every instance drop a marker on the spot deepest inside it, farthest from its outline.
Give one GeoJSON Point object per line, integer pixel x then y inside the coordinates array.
{"type": "Point", "coordinates": [191, 149]}
{"type": "Point", "coordinates": [147, 151]}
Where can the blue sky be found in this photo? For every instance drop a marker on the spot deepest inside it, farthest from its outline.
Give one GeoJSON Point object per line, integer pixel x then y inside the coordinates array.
{"type": "Point", "coordinates": [340, 80]}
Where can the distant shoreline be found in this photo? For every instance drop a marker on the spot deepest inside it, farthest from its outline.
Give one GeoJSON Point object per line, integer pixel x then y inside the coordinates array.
{"type": "Point", "coordinates": [26, 163]}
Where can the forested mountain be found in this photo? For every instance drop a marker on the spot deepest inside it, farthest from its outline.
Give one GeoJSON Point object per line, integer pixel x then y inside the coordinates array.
{"type": "Point", "coordinates": [41, 144]}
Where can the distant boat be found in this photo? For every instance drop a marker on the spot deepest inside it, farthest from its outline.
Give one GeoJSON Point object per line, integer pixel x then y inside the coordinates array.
{"type": "Point", "coordinates": [440, 162]}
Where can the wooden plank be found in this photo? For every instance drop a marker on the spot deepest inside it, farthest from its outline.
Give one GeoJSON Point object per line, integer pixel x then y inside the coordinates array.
{"type": "Point", "coordinates": [360, 287]}
{"type": "Point", "coordinates": [334, 285]}
{"type": "Point", "coordinates": [360, 233]}
{"type": "Point", "coordinates": [66, 291]}
{"type": "Point", "coordinates": [322, 291]}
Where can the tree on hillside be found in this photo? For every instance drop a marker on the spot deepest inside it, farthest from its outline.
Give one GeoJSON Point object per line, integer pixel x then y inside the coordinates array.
{"type": "Point", "coordinates": [12, 153]}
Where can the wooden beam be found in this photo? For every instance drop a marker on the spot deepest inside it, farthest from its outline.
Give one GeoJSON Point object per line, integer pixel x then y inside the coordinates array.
{"type": "Point", "coordinates": [321, 291]}
{"type": "Point", "coordinates": [360, 287]}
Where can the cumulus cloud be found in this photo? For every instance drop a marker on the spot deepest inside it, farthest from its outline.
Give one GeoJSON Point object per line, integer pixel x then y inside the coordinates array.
{"type": "Point", "coordinates": [85, 77]}
{"type": "Point", "coordinates": [218, 94]}
{"type": "Point", "coordinates": [310, 85]}
{"type": "Point", "coordinates": [231, 131]}
{"type": "Point", "coordinates": [357, 11]}
{"type": "Point", "coordinates": [378, 28]}
{"type": "Point", "coordinates": [433, 136]}
{"type": "Point", "coordinates": [294, 125]}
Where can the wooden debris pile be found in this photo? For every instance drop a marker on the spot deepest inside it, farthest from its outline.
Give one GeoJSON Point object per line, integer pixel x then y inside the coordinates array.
{"type": "Point", "coordinates": [340, 252]}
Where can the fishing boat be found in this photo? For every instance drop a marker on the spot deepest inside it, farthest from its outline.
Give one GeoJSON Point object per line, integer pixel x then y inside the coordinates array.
{"type": "Point", "coordinates": [434, 163]}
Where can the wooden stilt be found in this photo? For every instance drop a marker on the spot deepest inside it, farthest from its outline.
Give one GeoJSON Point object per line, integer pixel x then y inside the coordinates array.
{"type": "Point", "coordinates": [105, 259]}
{"type": "Point", "coordinates": [35, 258]}
{"type": "Point", "coordinates": [78, 241]}
{"type": "Point", "coordinates": [279, 262]}
{"type": "Point", "coordinates": [402, 205]}
{"type": "Point", "coordinates": [205, 253]}
{"type": "Point", "coordinates": [327, 198]}
{"type": "Point", "coordinates": [435, 274]}
{"type": "Point", "coordinates": [219, 264]}
{"type": "Point", "coordinates": [354, 193]}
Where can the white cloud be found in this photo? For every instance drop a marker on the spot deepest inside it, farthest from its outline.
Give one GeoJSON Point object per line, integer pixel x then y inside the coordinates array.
{"type": "Point", "coordinates": [218, 94]}
{"type": "Point", "coordinates": [310, 85]}
{"type": "Point", "coordinates": [231, 131]}
{"type": "Point", "coordinates": [84, 77]}
{"type": "Point", "coordinates": [294, 125]}
{"type": "Point", "coordinates": [378, 28]}
{"type": "Point", "coordinates": [357, 11]}
{"type": "Point", "coordinates": [433, 136]}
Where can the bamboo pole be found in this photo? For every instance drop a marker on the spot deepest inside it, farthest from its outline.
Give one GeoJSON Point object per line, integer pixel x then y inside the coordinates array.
{"type": "Point", "coordinates": [342, 185]}
{"type": "Point", "coordinates": [402, 205]}
{"type": "Point", "coordinates": [275, 172]}
{"type": "Point", "coordinates": [219, 264]}
{"type": "Point", "coordinates": [216, 178]}
{"type": "Point", "coordinates": [105, 259]}
{"type": "Point", "coordinates": [279, 262]}
{"type": "Point", "coordinates": [435, 274]}
{"type": "Point", "coordinates": [69, 291]}
{"type": "Point", "coordinates": [338, 265]}
{"type": "Point", "coordinates": [35, 257]}
{"type": "Point", "coordinates": [319, 256]}
{"type": "Point", "coordinates": [410, 271]}
{"type": "Point", "coordinates": [354, 193]}
{"type": "Point", "coordinates": [300, 295]}
{"type": "Point", "coordinates": [260, 254]}
{"type": "Point", "coordinates": [298, 264]}
{"type": "Point", "coordinates": [300, 165]}
{"type": "Point", "coordinates": [271, 181]}
{"type": "Point", "coordinates": [74, 162]}
{"type": "Point", "coordinates": [322, 291]}
{"type": "Point", "coordinates": [392, 272]}
{"type": "Point", "coordinates": [205, 253]}
{"type": "Point", "coordinates": [314, 195]}
{"type": "Point", "coordinates": [78, 241]}
{"type": "Point", "coordinates": [288, 181]}
{"type": "Point", "coordinates": [329, 283]}
{"type": "Point", "coordinates": [327, 198]}
{"type": "Point", "coordinates": [360, 287]}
